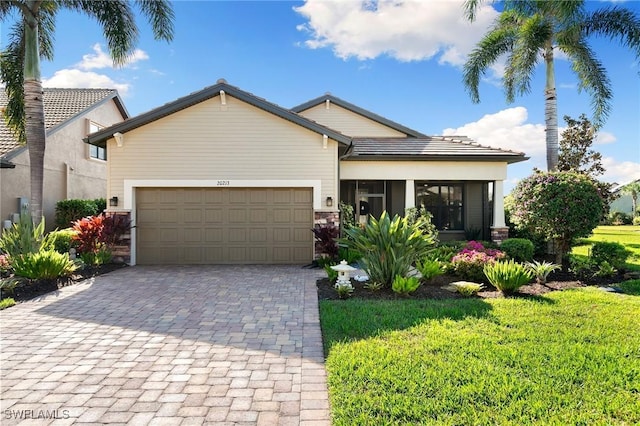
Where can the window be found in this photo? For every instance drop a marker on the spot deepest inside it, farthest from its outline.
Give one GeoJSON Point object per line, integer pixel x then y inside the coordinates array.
{"type": "Point", "coordinates": [96, 151]}
{"type": "Point", "coordinates": [444, 202]}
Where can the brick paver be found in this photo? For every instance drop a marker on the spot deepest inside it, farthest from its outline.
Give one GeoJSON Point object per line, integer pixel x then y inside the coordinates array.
{"type": "Point", "coordinates": [168, 346]}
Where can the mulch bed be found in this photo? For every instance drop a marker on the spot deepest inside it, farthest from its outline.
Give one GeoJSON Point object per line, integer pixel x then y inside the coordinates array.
{"type": "Point", "coordinates": [27, 289]}
{"type": "Point", "coordinates": [434, 288]}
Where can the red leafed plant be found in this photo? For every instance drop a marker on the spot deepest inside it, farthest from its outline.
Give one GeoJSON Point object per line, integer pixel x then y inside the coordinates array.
{"type": "Point", "coordinates": [93, 233]}
{"type": "Point", "coordinates": [89, 232]}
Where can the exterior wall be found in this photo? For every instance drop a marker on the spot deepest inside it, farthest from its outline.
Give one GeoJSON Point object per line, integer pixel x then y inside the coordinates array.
{"type": "Point", "coordinates": [423, 170]}
{"type": "Point", "coordinates": [69, 172]}
{"type": "Point", "coordinates": [209, 143]}
{"type": "Point", "coordinates": [349, 123]}
{"type": "Point", "coordinates": [473, 206]}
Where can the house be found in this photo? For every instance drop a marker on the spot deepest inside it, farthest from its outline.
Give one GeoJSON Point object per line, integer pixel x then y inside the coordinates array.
{"type": "Point", "coordinates": [72, 169]}
{"type": "Point", "coordinates": [224, 176]}
{"type": "Point", "coordinates": [623, 201]}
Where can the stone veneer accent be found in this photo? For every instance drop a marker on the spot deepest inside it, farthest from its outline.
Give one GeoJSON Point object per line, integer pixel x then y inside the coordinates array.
{"type": "Point", "coordinates": [498, 235]}
{"type": "Point", "coordinates": [122, 251]}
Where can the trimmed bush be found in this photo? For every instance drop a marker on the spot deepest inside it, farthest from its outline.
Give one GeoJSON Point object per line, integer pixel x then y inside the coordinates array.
{"type": "Point", "coordinates": [62, 239]}
{"type": "Point", "coordinates": [69, 211]}
{"type": "Point", "coordinates": [613, 253]}
{"type": "Point", "coordinates": [101, 205]}
{"type": "Point", "coordinates": [518, 249]}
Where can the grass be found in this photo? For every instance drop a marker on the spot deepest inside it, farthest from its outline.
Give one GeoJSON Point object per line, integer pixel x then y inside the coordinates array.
{"type": "Point", "coordinates": [570, 357]}
{"type": "Point", "coordinates": [627, 235]}
{"type": "Point", "coordinates": [7, 303]}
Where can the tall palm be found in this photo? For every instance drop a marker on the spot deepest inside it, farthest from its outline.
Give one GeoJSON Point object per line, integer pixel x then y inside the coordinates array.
{"type": "Point", "coordinates": [529, 31]}
{"type": "Point", "coordinates": [632, 189]}
{"type": "Point", "coordinates": [32, 40]}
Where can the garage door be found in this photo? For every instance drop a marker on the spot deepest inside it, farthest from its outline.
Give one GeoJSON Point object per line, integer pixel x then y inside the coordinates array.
{"type": "Point", "coordinates": [224, 225]}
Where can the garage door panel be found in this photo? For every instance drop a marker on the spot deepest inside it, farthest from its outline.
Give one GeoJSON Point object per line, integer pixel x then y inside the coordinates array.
{"type": "Point", "coordinates": [224, 225]}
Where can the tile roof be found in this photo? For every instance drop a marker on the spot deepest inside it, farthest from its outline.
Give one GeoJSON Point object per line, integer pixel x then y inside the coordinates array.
{"type": "Point", "coordinates": [60, 106]}
{"type": "Point", "coordinates": [430, 147]}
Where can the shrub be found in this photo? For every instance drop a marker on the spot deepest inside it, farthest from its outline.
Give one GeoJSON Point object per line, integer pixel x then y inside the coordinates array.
{"type": "Point", "coordinates": [388, 246]}
{"type": "Point", "coordinates": [351, 256]}
{"type": "Point", "coordinates": [331, 273]}
{"type": "Point", "coordinates": [325, 237]}
{"type": "Point", "coordinates": [443, 253]}
{"type": "Point", "coordinates": [429, 268]}
{"type": "Point", "coordinates": [519, 249]}
{"type": "Point", "coordinates": [46, 264]}
{"type": "Point", "coordinates": [613, 253]}
{"type": "Point", "coordinates": [422, 219]}
{"type": "Point", "coordinates": [472, 233]}
{"type": "Point", "coordinates": [344, 290]}
{"type": "Point", "coordinates": [636, 220]}
{"type": "Point", "coordinates": [23, 237]}
{"type": "Point", "coordinates": [507, 276]}
{"type": "Point", "coordinates": [113, 228]}
{"type": "Point", "coordinates": [347, 217]}
{"type": "Point", "coordinates": [88, 233]}
{"type": "Point", "coordinates": [619, 218]}
{"type": "Point", "coordinates": [102, 256]}
{"type": "Point", "coordinates": [470, 261]}
{"type": "Point", "coordinates": [561, 206]}
{"type": "Point", "coordinates": [7, 303]}
{"type": "Point", "coordinates": [101, 205]}
{"type": "Point", "coordinates": [405, 285]}
{"type": "Point", "coordinates": [68, 211]}
{"type": "Point", "coordinates": [467, 288]}
{"type": "Point", "coordinates": [581, 267]}
{"type": "Point", "coordinates": [62, 239]}
{"type": "Point", "coordinates": [541, 270]}
{"type": "Point", "coordinates": [605, 269]}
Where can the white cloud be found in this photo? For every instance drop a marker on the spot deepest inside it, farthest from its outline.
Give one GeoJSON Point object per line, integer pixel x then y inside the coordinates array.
{"type": "Point", "coordinates": [407, 31]}
{"type": "Point", "coordinates": [100, 59]}
{"type": "Point", "coordinates": [603, 138]}
{"type": "Point", "coordinates": [506, 129]}
{"type": "Point", "coordinates": [73, 78]}
{"type": "Point", "coordinates": [620, 172]}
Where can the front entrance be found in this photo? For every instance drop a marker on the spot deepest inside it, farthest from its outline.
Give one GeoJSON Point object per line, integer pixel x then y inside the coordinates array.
{"type": "Point", "coordinates": [372, 197]}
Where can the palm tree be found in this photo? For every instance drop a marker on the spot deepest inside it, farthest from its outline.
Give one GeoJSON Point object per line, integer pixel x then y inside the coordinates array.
{"type": "Point", "coordinates": [528, 31]}
{"type": "Point", "coordinates": [32, 40]}
{"type": "Point", "coordinates": [632, 189]}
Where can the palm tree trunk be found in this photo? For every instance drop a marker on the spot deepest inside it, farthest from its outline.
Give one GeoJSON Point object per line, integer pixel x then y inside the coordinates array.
{"type": "Point", "coordinates": [551, 111]}
{"type": "Point", "coordinates": [34, 113]}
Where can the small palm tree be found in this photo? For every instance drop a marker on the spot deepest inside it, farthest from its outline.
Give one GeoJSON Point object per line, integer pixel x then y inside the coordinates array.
{"type": "Point", "coordinates": [32, 40]}
{"type": "Point", "coordinates": [529, 31]}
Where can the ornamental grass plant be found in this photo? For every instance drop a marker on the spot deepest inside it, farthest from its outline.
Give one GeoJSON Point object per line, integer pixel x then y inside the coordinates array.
{"type": "Point", "coordinates": [507, 276]}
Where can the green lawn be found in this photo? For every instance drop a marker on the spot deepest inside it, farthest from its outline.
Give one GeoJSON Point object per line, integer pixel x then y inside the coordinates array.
{"type": "Point", "coordinates": [570, 357]}
{"type": "Point", "coordinates": [627, 235]}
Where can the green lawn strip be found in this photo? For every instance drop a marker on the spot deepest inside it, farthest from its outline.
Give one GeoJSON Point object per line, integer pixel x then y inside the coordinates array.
{"type": "Point", "coordinates": [630, 287]}
{"type": "Point", "coordinates": [572, 357]}
{"type": "Point", "coordinates": [627, 235]}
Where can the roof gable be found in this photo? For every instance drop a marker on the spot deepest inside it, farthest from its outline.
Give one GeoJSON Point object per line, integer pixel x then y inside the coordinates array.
{"type": "Point", "coordinates": [357, 110]}
{"type": "Point", "coordinates": [60, 107]}
{"type": "Point", "coordinates": [220, 88]}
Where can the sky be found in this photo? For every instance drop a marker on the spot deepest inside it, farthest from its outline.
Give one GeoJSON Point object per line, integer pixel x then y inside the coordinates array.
{"type": "Point", "coordinates": [401, 60]}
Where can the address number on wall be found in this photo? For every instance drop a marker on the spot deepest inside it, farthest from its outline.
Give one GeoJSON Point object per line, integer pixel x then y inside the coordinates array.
{"type": "Point", "coordinates": [223, 183]}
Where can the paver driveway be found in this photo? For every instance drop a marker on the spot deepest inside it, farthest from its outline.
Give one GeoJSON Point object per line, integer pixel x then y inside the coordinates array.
{"type": "Point", "coordinates": [171, 346]}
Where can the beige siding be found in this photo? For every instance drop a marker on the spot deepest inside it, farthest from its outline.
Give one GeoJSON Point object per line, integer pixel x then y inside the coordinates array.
{"type": "Point", "coordinates": [349, 123]}
{"type": "Point", "coordinates": [68, 171]}
{"type": "Point", "coordinates": [423, 170]}
{"type": "Point", "coordinates": [209, 142]}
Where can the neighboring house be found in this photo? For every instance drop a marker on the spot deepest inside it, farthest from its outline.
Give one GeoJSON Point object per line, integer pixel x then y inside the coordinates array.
{"type": "Point", "coordinates": [623, 202]}
{"type": "Point", "coordinates": [72, 169]}
{"type": "Point", "coordinates": [223, 176]}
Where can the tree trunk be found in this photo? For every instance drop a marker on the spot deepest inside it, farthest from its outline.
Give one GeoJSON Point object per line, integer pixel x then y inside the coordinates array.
{"type": "Point", "coordinates": [551, 111]}
{"type": "Point", "coordinates": [34, 113]}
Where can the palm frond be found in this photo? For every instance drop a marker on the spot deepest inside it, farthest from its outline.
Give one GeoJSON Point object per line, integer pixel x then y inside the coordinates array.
{"type": "Point", "coordinates": [532, 36]}
{"type": "Point", "coordinates": [615, 23]}
{"type": "Point", "coordinates": [592, 77]}
{"type": "Point", "coordinates": [498, 41]}
{"type": "Point", "coordinates": [160, 15]}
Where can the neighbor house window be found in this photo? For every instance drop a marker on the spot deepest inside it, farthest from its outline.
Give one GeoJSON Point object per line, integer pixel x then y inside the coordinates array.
{"type": "Point", "coordinates": [444, 201]}
{"type": "Point", "coordinates": [96, 151]}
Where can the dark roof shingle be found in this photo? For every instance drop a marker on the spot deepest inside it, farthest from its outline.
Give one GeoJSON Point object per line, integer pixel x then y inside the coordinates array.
{"type": "Point", "coordinates": [431, 148]}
